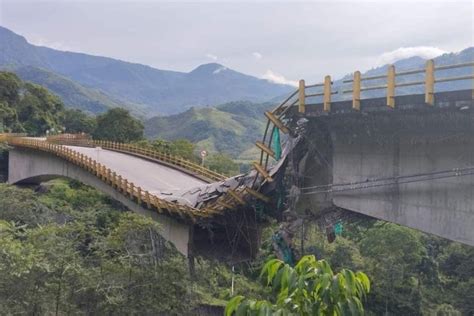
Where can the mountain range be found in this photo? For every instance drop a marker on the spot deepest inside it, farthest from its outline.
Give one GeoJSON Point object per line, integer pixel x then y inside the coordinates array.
{"type": "Point", "coordinates": [95, 83]}
{"type": "Point", "coordinates": [168, 99]}
{"type": "Point", "coordinates": [234, 127]}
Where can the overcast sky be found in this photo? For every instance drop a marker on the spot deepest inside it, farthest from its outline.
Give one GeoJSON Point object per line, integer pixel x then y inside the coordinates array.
{"type": "Point", "coordinates": [282, 41]}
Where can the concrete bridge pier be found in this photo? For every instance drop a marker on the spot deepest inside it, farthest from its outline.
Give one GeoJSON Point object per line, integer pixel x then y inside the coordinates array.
{"type": "Point", "coordinates": [360, 147]}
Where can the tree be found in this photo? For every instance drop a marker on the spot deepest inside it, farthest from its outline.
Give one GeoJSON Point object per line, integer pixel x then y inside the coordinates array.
{"type": "Point", "coordinates": [310, 288]}
{"type": "Point", "coordinates": [393, 257]}
{"type": "Point", "coordinates": [10, 86]}
{"type": "Point", "coordinates": [39, 110]}
{"type": "Point", "coordinates": [222, 163]}
{"type": "Point", "coordinates": [26, 107]}
{"type": "Point", "coordinates": [9, 118]}
{"type": "Point", "coordinates": [119, 126]}
{"type": "Point", "coordinates": [183, 148]}
{"type": "Point", "coordinates": [76, 121]}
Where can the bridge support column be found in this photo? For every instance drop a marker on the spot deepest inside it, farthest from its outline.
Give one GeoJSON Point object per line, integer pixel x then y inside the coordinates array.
{"type": "Point", "coordinates": [191, 253]}
{"type": "Point", "coordinates": [364, 148]}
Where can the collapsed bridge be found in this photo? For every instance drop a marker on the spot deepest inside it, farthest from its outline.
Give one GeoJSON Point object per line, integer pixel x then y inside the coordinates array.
{"type": "Point", "coordinates": [407, 159]}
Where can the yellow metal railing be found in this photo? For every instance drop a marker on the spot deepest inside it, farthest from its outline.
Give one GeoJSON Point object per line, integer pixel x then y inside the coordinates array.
{"type": "Point", "coordinates": [71, 138]}
{"type": "Point", "coordinates": [116, 181]}
{"type": "Point", "coordinates": [430, 79]}
{"type": "Point", "coordinates": [4, 136]}
{"type": "Point", "coordinates": [229, 199]}
{"type": "Point", "coordinates": [169, 159]}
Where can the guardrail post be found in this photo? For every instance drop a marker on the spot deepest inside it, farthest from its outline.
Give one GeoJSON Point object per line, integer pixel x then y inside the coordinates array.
{"type": "Point", "coordinates": [391, 86]}
{"type": "Point", "coordinates": [327, 94]}
{"type": "Point", "coordinates": [301, 96]}
{"type": "Point", "coordinates": [429, 82]}
{"type": "Point", "coordinates": [119, 183]}
{"type": "Point", "coordinates": [125, 187]}
{"type": "Point", "coordinates": [139, 195]}
{"type": "Point", "coordinates": [156, 203]}
{"type": "Point", "coordinates": [101, 172]}
{"type": "Point", "coordinates": [356, 91]}
{"type": "Point", "coordinates": [109, 177]}
{"type": "Point", "coordinates": [147, 199]}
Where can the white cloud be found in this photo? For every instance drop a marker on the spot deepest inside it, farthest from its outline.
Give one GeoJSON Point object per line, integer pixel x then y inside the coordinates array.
{"type": "Point", "coordinates": [211, 56]}
{"type": "Point", "coordinates": [218, 70]}
{"type": "Point", "coordinates": [425, 52]}
{"type": "Point", "coordinates": [277, 78]}
{"type": "Point", "coordinates": [257, 55]}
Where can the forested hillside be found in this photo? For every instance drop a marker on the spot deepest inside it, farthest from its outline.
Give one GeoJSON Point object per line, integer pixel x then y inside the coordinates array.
{"type": "Point", "coordinates": [67, 249]}
{"type": "Point", "coordinates": [26, 107]}
{"type": "Point", "coordinates": [71, 93]}
{"type": "Point", "coordinates": [231, 128]}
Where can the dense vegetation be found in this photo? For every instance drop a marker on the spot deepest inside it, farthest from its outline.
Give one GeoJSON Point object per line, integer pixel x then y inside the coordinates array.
{"type": "Point", "coordinates": [309, 288]}
{"type": "Point", "coordinates": [411, 273]}
{"type": "Point", "coordinates": [119, 126]}
{"type": "Point", "coordinates": [71, 93]}
{"type": "Point", "coordinates": [26, 107]}
{"type": "Point", "coordinates": [30, 108]}
{"type": "Point", "coordinates": [70, 250]}
{"type": "Point", "coordinates": [230, 128]}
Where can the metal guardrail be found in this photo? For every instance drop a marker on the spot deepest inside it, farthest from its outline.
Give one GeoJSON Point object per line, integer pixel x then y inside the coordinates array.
{"type": "Point", "coordinates": [230, 199]}
{"type": "Point", "coordinates": [391, 83]}
{"type": "Point", "coordinates": [181, 163]}
{"type": "Point", "coordinates": [4, 136]}
{"type": "Point", "coordinates": [116, 181]}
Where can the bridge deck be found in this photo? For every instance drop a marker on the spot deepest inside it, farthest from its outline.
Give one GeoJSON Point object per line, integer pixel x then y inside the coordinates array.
{"type": "Point", "coordinates": [153, 177]}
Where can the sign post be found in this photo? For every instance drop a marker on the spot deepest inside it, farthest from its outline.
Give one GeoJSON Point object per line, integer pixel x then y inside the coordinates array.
{"type": "Point", "coordinates": [203, 155]}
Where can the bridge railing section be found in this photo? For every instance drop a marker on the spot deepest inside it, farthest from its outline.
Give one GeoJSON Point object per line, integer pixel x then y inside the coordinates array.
{"type": "Point", "coordinates": [5, 136]}
{"type": "Point", "coordinates": [230, 199]}
{"type": "Point", "coordinates": [276, 122]}
{"type": "Point", "coordinates": [183, 164]}
{"type": "Point", "coordinates": [125, 187]}
{"type": "Point", "coordinates": [163, 157]}
{"type": "Point", "coordinates": [78, 139]}
{"type": "Point", "coordinates": [359, 84]}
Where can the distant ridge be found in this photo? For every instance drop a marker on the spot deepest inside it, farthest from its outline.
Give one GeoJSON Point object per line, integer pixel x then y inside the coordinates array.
{"type": "Point", "coordinates": [71, 93]}
{"type": "Point", "coordinates": [135, 85]}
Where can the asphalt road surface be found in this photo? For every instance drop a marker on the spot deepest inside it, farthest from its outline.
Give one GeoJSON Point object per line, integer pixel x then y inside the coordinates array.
{"type": "Point", "coordinates": [148, 175]}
